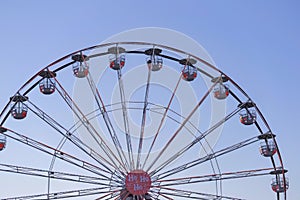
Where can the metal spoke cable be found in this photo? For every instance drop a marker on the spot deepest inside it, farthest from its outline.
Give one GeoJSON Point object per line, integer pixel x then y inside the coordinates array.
{"type": "Point", "coordinates": [66, 194]}
{"type": "Point", "coordinates": [140, 146]}
{"type": "Point", "coordinates": [213, 177]}
{"type": "Point", "coordinates": [125, 119]}
{"type": "Point", "coordinates": [107, 121]}
{"type": "Point", "coordinates": [53, 174]}
{"type": "Point", "coordinates": [163, 119]}
{"type": "Point", "coordinates": [193, 194]}
{"type": "Point", "coordinates": [75, 140]}
{"type": "Point", "coordinates": [57, 153]}
{"type": "Point", "coordinates": [181, 126]}
{"type": "Point", "coordinates": [89, 127]}
{"type": "Point", "coordinates": [195, 141]}
{"type": "Point", "coordinates": [203, 159]}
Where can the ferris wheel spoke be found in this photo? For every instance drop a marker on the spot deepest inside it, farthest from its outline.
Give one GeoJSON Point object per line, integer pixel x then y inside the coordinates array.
{"type": "Point", "coordinates": [125, 119]}
{"type": "Point", "coordinates": [188, 194]}
{"type": "Point", "coordinates": [54, 174]}
{"type": "Point", "coordinates": [140, 146]}
{"type": "Point", "coordinates": [206, 158]}
{"type": "Point", "coordinates": [196, 140]}
{"type": "Point", "coordinates": [214, 177]}
{"type": "Point", "coordinates": [123, 195]}
{"type": "Point", "coordinates": [89, 127]}
{"type": "Point", "coordinates": [165, 196]}
{"type": "Point", "coordinates": [186, 120]}
{"type": "Point", "coordinates": [162, 120]}
{"type": "Point", "coordinates": [57, 153]}
{"type": "Point", "coordinates": [108, 195]}
{"type": "Point", "coordinates": [68, 194]}
{"type": "Point", "coordinates": [108, 124]}
{"type": "Point", "coordinates": [89, 150]}
{"type": "Point", "coordinates": [71, 137]}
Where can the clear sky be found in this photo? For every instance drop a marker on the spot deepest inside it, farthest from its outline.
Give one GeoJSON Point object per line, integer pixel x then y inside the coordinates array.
{"type": "Point", "coordinates": [255, 42]}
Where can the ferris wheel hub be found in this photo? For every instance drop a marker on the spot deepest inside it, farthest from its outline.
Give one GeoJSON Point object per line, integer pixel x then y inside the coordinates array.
{"type": "Point", "coordinates": [138, 182]}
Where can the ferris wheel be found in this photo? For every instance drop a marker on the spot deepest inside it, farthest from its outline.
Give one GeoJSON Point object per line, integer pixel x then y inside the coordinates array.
{"type": "Point", "coordinates": [136, 120]}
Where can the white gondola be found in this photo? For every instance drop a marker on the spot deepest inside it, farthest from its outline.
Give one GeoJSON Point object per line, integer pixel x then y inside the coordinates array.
{"type": "Point", "coordinates": [189, 73]}
{"type": "Point", "coordinates": [248, 117]}
{"type": "Point", "coordinates": [279, 184]}
{"type": "Point", "coordinates": [155, 63]}
{"type": "Point", "coordinates": [18, 108]}
{"type": "Point", "coordinates": [268, 149]}
{"type": "Point", "coordinates": [116, 62]}
{"type": "Point", "coordinates": [81, 66]}
{"type": "Point", "coordinates": [117, 57]}
{"type": "Point", "coordinates": [221, 91]}
{"type": "Point", "coordinates": [47, 84]}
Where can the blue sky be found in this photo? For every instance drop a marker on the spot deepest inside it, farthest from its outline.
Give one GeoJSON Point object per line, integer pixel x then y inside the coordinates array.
{"type": "Point", "coordinates": [255, 42]}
